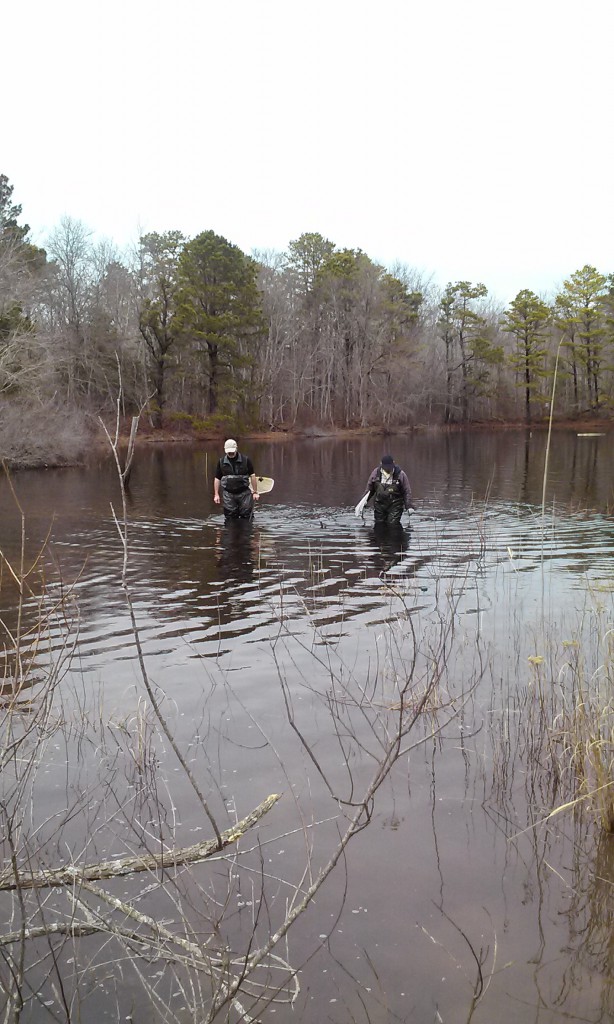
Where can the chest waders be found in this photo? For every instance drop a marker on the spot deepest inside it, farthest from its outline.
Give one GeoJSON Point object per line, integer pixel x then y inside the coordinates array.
{"type": "Point", "coordinates": [237, 499]}
{"type": "Point", "coordinates": [388, 502]}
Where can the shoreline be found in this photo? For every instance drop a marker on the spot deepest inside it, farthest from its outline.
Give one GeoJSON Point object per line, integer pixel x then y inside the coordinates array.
{"type": "Point", "coordinates": [166, 436]}
{"type": "Point", "coordinates": [148, 437]}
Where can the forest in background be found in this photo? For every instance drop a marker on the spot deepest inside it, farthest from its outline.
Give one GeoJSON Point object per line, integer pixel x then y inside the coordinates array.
{"type": "Point", "coordinates": [199, 337]}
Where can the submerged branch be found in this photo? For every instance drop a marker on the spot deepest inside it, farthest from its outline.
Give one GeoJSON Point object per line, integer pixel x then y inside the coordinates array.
{"type": "Point", "coordinates": [142, 862]}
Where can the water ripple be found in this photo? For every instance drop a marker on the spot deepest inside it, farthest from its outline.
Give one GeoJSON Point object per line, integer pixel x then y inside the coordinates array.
{"type": "Point", "coordinates": [317, 569]}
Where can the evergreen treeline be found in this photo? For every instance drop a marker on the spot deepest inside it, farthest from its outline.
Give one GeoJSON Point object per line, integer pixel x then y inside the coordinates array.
{"type": "Point", "coordinates": [195, 330]}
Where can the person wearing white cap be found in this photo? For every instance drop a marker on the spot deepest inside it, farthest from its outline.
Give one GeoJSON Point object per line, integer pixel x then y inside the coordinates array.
{"type": "Point", "coordinates": [234, 474]}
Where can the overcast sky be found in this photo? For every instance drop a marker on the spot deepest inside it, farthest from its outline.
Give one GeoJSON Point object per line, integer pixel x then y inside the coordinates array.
{"type": "Point", "coordinates": [470, 140]}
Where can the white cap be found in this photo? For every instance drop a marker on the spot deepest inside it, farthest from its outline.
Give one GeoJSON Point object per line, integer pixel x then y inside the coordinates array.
{"type": "Point", "coordinates": [230, 446]}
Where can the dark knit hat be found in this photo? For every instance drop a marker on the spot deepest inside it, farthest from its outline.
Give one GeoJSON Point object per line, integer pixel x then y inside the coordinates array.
{"type": "Point", "coordinates": [387, 460]}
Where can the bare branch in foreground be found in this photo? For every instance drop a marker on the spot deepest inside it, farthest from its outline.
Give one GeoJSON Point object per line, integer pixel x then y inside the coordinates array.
{"type": "Point", "coordinates": [143, 862]}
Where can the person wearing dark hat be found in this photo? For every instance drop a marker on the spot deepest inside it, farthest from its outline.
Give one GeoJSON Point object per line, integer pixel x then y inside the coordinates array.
{"type": "Point", "coordinates": [231, 484]}
{"type": "Point", "coordinates": [390, 490]}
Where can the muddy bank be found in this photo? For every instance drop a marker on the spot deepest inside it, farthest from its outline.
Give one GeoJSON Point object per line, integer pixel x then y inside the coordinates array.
{"type": "Point", "coordinates": [51, 453]}
{"type": "Point", "coordinates": [169, 435]}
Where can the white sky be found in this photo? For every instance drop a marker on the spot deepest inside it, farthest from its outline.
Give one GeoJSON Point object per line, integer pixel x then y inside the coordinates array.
{"type": "Point", "coordinates": [471, 140]}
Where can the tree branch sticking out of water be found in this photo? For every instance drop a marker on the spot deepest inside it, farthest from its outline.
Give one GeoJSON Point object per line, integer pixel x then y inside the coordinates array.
{"type": "Point", "coordinates": [124, 471]}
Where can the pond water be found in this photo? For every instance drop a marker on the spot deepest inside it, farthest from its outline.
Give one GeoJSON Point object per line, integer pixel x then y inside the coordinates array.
{"type": "Point", "coordinates": [283, 655]}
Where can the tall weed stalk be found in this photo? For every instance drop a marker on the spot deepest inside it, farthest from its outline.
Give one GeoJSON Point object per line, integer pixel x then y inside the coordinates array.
{"type": "Point", "coordinates": [573, 712]}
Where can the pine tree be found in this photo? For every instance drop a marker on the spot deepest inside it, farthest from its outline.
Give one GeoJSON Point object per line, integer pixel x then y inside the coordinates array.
{"type": "Point", "coordinates": [527, 319]}
{"type": "Point", "coordinates": [219, 312]}
{"type": "Point", "coordinates": [158, 324]}
{"type": "Point", "coordinates": [20, 262]}
{"type": "Point", "coordinates": [469, 351]}
{"type": "Point", "coordinates": [306, 255]}
{"type": "Point", "coordinates": [580, 313]}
